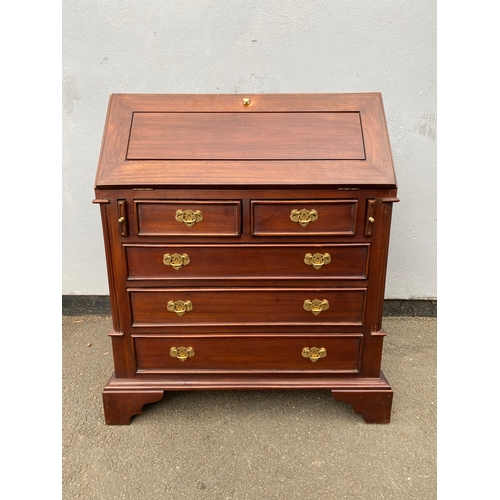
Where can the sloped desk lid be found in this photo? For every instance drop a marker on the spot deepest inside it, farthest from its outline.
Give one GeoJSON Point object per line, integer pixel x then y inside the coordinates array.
{"type": "Point", "coordinates": [183, 140]}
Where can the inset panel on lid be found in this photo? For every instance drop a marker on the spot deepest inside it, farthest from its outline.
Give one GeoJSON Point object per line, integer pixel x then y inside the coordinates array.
{"type": "Point", "coordinates": [246, 136]}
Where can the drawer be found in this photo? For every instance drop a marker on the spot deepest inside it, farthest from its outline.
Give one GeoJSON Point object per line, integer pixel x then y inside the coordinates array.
{"type": "Point", "coordinates": [247, 306]}
{"type": "Point", "coordinates": [180, 262]}
{"type": "Point", "coordinates": [304, 217]}
{"type": "Point", "coordinates": [302, 353]}
{"type": "Point", "coordinates": [188, 218]}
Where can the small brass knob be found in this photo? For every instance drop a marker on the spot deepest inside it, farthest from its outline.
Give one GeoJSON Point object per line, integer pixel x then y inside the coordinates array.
{"type": "Point", "coordinates": [246, 101]}
{"type": "Point", "coordinates": [371, 219]}
{"type": "Point", "coordinates": [121, 220]}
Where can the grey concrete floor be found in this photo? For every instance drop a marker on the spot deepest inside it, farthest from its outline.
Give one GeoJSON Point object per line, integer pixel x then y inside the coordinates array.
{"type": "Point", "coordinates": [254, 445]}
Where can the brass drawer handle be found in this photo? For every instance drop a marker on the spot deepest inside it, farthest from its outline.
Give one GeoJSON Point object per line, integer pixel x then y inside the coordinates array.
{"type": "Point", "coordinates": [314, 353]}
{"type": "Point", "coordinates": [182, 353]}
{"type": "Point", "coordinates": [316, 306]}
{"type": "Point", "coordinates": [318, 260]}
{"type": "Point", "coordinates": [303, 217]}
{"type": "Point", "coordinates": [189, 217]}
{"type": "Point", "coordinates": [179, 307]}
{"type": "Point", "coordinates": [176, 260]}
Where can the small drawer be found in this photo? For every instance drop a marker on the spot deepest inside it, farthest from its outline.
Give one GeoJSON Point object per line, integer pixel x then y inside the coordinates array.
{"type": "Point", "coordinates": [181, 262]}
{"type": "Point", "coordinates": [333, 353]}
{"type": "Point", "coordinates": [304, 217]}
{"type": "Point", "coordinates": [188, 218]}
{"type": "Point", "coordinates": [247, 306]}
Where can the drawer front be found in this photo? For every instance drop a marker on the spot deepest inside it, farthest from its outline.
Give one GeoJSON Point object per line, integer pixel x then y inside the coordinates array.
{"type": "Point", "coordinates": [304, 217]}
{"type": "Point", "coordinates": [188, 218]}
{"type": "Point", "coordinates": [249, 306]}
{"type": "Point", "coordinates": [180, 262]}
{"type": "Point", "coordinates": [302, 353]}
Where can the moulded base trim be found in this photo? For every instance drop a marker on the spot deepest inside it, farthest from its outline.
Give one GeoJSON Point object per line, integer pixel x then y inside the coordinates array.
{"type": "Point", "coordinates": [370, 397]}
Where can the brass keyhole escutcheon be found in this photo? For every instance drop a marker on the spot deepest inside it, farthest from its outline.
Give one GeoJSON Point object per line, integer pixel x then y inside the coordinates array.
{"type": "Point", "coordinates": [182, 353]}
{"type": "Point", "coordinates": [179, 307]}
{"type": "Point", "coordinates": [316, 306]}
{"type": "Point", "coordinates": [314, 353]}
{"type": "Point", "coordinates": [189, 217]}
{"type": "Point", "coordinates": [318, 260]}
{"type": "Point", "coordinates": [176, 260]}
{"type": "Point", "coordinates": [246, 101]}
{"type": "Point", "coordinates": [304, 217]}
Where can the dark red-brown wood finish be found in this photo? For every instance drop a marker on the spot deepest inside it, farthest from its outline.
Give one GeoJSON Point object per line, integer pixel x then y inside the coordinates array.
{"type": "Point", "coordinates": [246, 241]}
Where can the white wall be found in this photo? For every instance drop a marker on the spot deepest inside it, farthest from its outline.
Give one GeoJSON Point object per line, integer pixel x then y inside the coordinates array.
{"type": "Point", "coordinates": [240, 46]}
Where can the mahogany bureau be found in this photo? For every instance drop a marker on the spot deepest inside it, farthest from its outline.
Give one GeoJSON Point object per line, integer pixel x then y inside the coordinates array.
{"type": "Point", "coordinates": [246, 241]}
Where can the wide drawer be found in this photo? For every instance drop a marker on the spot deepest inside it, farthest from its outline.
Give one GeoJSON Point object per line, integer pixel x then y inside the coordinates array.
{"type": "Point", "coordinates": [188, 218]}
{"type": "Point", "coordinates": [303, 353]}
{"type": "Point", "coordinates": [304, 217]}
{"type": "Point", "coordinates": [180, 262]}
{"type": "Point", "coordinates": [247, 306]}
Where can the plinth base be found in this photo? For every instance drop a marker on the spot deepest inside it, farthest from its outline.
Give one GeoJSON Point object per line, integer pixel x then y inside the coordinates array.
{"type": "Point", "coordinates": [124, 398]}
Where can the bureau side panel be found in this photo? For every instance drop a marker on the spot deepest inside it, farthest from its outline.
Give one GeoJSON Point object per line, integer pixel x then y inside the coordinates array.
{"type": "Point", "coordinates": [123, 349]}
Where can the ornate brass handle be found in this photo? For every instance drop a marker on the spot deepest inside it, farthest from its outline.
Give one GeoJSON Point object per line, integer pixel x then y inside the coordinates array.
{"type": "Point", "coordinates": [176, 260]}
{"type": "Point", "coordinates": [303, 217]}
{"type": "Point", "coordinates": [179, 307]}
{"type": "Point", "coordinates": [182, 353]}
{"type": "Point", "coordinates": [316, 306]}
{"type": "Point", "coordinates": [314, 353]}
{"type": "Point", "coordinates": [189, 217]}
{"type": "Point", "coordinates": [317, 260]}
